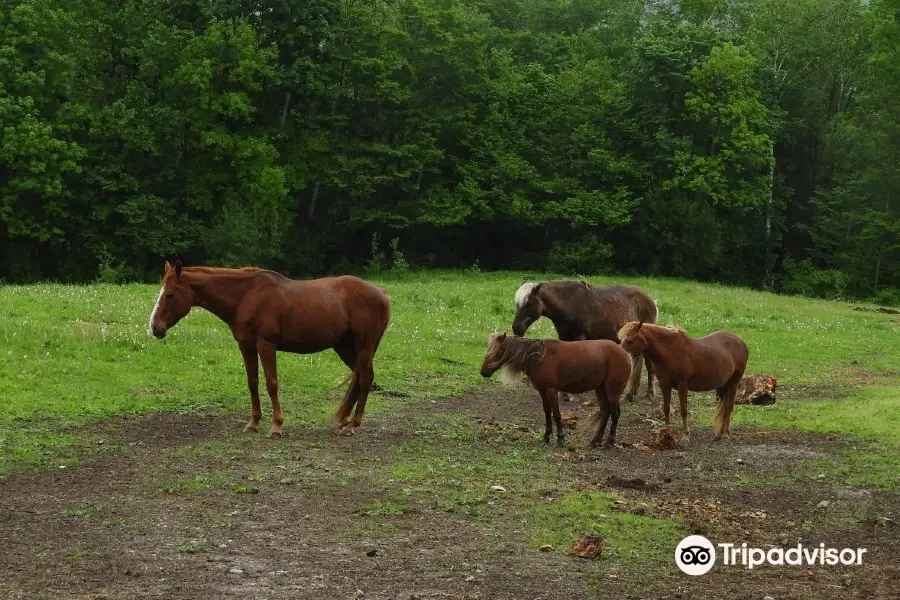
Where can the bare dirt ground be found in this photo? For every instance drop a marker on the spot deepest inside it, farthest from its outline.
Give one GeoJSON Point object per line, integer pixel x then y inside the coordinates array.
{"type": "Point", "coordinates": [189, 508]}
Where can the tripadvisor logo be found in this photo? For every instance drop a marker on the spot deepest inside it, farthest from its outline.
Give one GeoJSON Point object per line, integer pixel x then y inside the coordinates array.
{"type": "Point", "coordinates": [696, 555]}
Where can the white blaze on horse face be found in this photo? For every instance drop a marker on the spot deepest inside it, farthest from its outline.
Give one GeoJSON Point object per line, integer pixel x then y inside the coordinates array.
{"type": "Point", "coordinates": [155, 309]}
{"type": "Point", "coordinates": [523, 293]}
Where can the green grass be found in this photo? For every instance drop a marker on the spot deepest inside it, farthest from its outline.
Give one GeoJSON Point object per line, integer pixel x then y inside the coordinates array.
{"type": "Point", "coordinates": [865, 413]}
{"type": "Point", "coordinates": [75, 354]}
{"type": "Point", "coordinates": [628, 539]}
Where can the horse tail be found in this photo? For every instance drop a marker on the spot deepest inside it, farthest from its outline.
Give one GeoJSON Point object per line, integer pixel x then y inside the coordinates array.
{"type": "Point", "coordinates": [720, 414]}
{"type": "Point", "coordinates": [346, 405]}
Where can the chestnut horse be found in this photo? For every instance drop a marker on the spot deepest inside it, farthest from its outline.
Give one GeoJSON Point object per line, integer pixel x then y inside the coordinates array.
{"type": "Point", "coordinates": [554, 366]}
{"type": "Point", "coordinates": [267, 313]}
{"type": "Point", "coordinates": [581, 311]}
{"type": "Point", "coordinates": [714, 362]}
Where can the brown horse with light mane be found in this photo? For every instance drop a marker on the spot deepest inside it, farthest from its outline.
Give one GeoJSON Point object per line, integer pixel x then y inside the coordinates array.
{"type": "Point", "coordinates": [267, 313]}
{"type": "Point", "coordinates": [554, 366]}
{"type": "Point", "coordinates": [714, 362]}
{"type": "Point", "coordinates": [582, 311]}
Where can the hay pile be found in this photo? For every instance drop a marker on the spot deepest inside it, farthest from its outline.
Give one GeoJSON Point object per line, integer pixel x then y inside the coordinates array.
{"type": "Point", "coordinates": [590, 547]}
{"type": "Point", "coordinates": [665, 438]}
{"type": "Point", "coordinates": [758, 390]}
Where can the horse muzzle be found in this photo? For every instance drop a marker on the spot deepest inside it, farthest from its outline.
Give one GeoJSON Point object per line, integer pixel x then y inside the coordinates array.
{"type": "Point", "coordinates": [158, 332]}
{"type": "Point", "coordinates": [487, 372]}
{"type": "Point", "coordinates": [520, 327]}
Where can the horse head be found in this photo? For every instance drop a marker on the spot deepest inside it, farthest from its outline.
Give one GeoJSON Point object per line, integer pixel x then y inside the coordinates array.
{"type": "Point", "coordinates": [632, 339]}
{"type": "Point", "coordinates": [493, 356]}
{"type": "Point", "coordinates": [529, 307]}
{"type": "Point", "coordinates": [174, 301]}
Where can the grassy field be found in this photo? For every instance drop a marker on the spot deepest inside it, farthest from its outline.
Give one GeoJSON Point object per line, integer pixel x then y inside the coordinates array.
{"type": "Point", "coordinates": [76, 357]}
{"type": "Point", "coordinates": [74, 354]}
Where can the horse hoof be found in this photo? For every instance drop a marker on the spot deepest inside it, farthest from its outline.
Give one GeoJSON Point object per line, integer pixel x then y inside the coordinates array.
{"type": "Point", "coordinates": [274, 435]}
{"type": "Point", "coordinates": [347, 430]}
{"type": "Point", "coordinates": [559, 444]}
{"type": "Point", "coordinates": [608, 445]}
{"type": "Point", "coordinates": [546, 439]}
{"type": "Point", "coordinates": [252, 428]}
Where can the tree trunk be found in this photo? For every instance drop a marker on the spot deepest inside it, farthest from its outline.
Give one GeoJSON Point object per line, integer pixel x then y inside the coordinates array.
{"type": "Point", "coordinates": [877, 271]}
{"type": "Point", "coordinates": [287, 101]}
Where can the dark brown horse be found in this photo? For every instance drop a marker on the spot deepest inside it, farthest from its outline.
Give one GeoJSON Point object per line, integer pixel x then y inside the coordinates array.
{"type": "Point", "coordinates": [714, 362]}
{"type": "Point", "coordinates": [554, 366]}
{"type": "Point", "coordinates": [267, 312]}
{"type": "Point", "coordinates": [581, 311]}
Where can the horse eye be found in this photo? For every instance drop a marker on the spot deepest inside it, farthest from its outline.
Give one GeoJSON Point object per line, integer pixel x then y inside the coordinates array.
{"type": "Point", "coordinates": [169, 294]}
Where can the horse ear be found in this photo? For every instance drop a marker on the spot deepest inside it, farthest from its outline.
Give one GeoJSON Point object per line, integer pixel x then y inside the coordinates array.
{"type": "Point", "coordinates": [168, 267]}
{"type": "Point", "coordinates": [178, 267]}
{"type": "Point", "coordinates": [638, 328]}
{"type": "Point", "coordinates": [502, 336]}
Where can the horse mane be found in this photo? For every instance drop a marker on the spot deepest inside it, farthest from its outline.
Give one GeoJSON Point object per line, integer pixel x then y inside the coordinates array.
{"type": "Point", "coordinates": [222, 270]}
{"type": "Point", "coordinates": [520, 353]}
{"type": "Point", "coordinates": [526, 289]}
{"type": "Point", "coordinates": [523, 293]}
{"type": "Point", "coordinates": [627, 327]}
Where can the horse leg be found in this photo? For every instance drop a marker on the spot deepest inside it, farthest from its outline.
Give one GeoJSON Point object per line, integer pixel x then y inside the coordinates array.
{"type": "Point", "coordinates": [267, 356]}
{"type": "Point", "coordinates": [548, 417]}
{"type": "Point", "coordinates": [603, 402]}
{"type": "Point", "coordinates": [724, 406]}
{"type": "Point", "coordinates": [667, 402]}
{"type": "Point", "coordinates": [554, 402]}
{"type": "Point", "coordinates": [682, 397]}
{"type": "Point", "coordinates": [634, 381]}
{"type": "Point", "coordinates": [365, 375]}
{"type": "Point", "coordinates": [251, 362]}
{"type": "Point", "coordinates": [649, 393]}
{"type": "Point", "coordinates": [364, 379]}
{"type": "Point", "coordinates": [346, 350]}
{"type": "Point", "coordinates": [615, 408]}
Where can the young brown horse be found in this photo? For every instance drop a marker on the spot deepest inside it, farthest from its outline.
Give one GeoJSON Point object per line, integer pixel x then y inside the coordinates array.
{"type": "Point", "coordinates": [553, 366]}
{"type": "Point", "coordinates": [267, 312]}
{"type": "Point", "coordinates": [715, 362]}
{"type": "Point", "coordinates": [581, 311]}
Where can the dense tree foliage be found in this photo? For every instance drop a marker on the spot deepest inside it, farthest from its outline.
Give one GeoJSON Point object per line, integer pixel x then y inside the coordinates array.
{"type": "Point", "coordinates": [746, 141]}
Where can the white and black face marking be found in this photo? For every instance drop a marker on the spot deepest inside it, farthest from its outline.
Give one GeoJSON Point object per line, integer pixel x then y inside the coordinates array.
{"type": "Point", "coordinates": [528, 308]}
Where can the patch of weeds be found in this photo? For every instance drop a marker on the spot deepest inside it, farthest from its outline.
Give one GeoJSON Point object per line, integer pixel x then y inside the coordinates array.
{"type": "Point", "coordinates": [467, 502]}
{"type": "Point", "coordinates": [877, 467]}
{"type": "Point", "coordinates": [191, 547]}
{"type": "Point", "coordinates": [628, 539]}
{"type": "Point", "coordinates": [82, 511]}
{"type": "Point", "coordinates": [279, 453]}
{"type": "Point", "coordinates": [198, 483]}
{"type": "Point", "coordinates": [244, 489]}
{"type": "Point", "coordinates": [382, 509]}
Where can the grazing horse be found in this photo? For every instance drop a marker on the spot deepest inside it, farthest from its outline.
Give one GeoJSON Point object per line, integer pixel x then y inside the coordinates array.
{"type": "Point", "coordinates": [267, 312]}
{"type": "Point", "coordinates": [714, 362]}
{"type": "Point", "coordinates": [553, 366]}
{"type": "Point", "coordinates": [581, 311]}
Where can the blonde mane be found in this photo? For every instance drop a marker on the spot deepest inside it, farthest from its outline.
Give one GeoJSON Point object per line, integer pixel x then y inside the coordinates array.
{"type": "Point", "coordinates": [517, 354]}
{"type": "Point", "coordinates": [627, 327]}
{"type": "Point", "coordinates": [523, 293]}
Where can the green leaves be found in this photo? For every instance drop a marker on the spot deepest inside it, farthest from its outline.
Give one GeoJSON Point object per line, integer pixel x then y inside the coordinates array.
{"type": "Point", "coordinates": [711, 142]}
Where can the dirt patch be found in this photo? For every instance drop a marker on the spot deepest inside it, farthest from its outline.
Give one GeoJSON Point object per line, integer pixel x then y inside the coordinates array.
{"type": "Point", "coordinates": [168, 514]}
